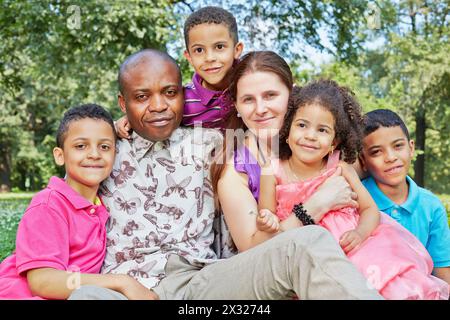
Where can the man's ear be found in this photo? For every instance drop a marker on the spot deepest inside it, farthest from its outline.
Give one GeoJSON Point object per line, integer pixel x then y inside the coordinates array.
{"type": "Point", "coordinates": [238, 48]}
{"type": "Point", "coordinates": [187, 56]}
{"type": "Point", "coordinates": [58, 154]}
{"type": "Point", "coordinates": [121, 100]}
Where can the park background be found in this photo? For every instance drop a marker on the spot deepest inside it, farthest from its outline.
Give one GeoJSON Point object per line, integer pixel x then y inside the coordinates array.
{"type": "Point", "coordinates": [57, 54]}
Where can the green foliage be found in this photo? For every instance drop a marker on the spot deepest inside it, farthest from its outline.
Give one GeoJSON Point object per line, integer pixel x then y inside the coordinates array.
{"type": "Point", "coordinates": [11, 212]}
{"type": "Point", "coordinates": [57, 54]}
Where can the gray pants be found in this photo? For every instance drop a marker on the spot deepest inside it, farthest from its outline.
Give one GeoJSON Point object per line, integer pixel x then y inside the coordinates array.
{"type": "Point", "coordinates": [306, 262]}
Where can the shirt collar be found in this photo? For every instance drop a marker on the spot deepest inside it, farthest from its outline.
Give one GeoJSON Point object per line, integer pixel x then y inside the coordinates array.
{"type": "Point", "coordinates": [384, 203]}
{"type": "Point", "coordinates": [142, 146]}
{"type": "Point", "coordinates": [204, 94]}
{"type": "Point", "coordinates": [77, 200]}
{"type": "Point", "coordinates": [411, 202]}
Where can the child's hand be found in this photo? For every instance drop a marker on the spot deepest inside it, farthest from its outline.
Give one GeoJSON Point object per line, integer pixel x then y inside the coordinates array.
{"type": "Point", "coordinates": [123, 128]}
{"type": "Point", "coordinates": [266, 221]}
{"type": "Point", "coordinates": [134, 290]}
{"type": "Point", "coordinates": [350, 240]}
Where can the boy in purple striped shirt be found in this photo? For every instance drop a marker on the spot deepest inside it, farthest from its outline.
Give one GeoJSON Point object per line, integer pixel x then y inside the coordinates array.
{"type": "Point", "coordinates": [212, 47]}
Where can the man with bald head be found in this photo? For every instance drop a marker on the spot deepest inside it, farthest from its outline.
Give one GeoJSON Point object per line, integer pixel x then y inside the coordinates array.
{"type": "Point", "coordinates": [160, 199]}
{"type": "Point", "coordinates": [153, 78]}
{"type": "Point", "coordinates": [159, 193]}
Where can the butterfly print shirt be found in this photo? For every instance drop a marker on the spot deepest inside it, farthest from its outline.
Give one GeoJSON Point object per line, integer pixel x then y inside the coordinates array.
{"type": "Point", "coordinates": [160, 200]}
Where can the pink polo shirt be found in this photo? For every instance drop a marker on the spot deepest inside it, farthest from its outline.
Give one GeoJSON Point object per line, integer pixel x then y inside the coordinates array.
{"type": "Point", "coordinates": [60, 229]}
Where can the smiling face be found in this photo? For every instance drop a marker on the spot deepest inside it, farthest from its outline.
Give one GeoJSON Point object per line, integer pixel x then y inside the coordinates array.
{"type": "Point", "coordinates": [311, 136]}
{"type": "Point", "coordinates": [88, 153]}
{"type": "Point", "coordinates": [152, 97]}
{"type": "Point", "coordinates": [211, 51]}
{"type": "Point", "coordinates": [261, 100]}
{"type": "Point", "coordinates": [387, 155]}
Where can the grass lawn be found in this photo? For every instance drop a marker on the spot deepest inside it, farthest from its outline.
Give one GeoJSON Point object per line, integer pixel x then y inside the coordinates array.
{"type": "Point", "coordinates": [12, 206]}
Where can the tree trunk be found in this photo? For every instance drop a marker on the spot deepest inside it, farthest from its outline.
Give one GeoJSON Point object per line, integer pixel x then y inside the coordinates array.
{"type": "Point", "coordinates": [5, 169]}
{"type": "Point", "coordinates": [419, 165]}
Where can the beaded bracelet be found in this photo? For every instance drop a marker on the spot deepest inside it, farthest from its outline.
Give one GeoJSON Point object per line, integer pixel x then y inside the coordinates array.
{"type": "Point", "coordinates": [302, 215]}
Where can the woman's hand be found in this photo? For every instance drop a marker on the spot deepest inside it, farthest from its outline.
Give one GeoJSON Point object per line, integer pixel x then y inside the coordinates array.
{"type": "Point", "coordinates": [333, 194]}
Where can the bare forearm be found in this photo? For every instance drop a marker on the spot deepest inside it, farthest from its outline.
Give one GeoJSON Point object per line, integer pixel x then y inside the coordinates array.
{"type": "Point", "coordinates": [290, 222]}
{"type": "Point", "coordinates": [442, 273]}
{"type": "Point", "coordinates": [315, 209]}
{"type": "Point", "coordinates": [267, 187]}
{"type": "Point", "coordinates": [57, 284]}
{"type": "Point", "coordinates": [368, 221]}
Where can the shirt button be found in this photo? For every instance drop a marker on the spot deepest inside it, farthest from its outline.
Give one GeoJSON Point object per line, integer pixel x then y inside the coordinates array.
{"type": "Point", "coordinates": [92, 211]}
{"type": "Point", "coordinates": [394, 211]}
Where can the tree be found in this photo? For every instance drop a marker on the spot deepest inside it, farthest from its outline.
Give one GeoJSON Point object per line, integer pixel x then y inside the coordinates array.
{"type": "Point", "coordinates": [413, 70]}
{"type": "Point", "coordinates": [57, 54]}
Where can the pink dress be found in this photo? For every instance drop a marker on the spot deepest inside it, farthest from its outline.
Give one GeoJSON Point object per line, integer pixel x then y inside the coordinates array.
{"type": "Point", "coordinates": [391, 258]}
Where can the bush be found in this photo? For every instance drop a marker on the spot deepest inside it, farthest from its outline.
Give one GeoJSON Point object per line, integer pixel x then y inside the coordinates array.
{"type": "Point", "coordinates": [11, 212]}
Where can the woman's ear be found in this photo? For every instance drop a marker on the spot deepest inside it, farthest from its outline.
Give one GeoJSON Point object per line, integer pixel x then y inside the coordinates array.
{"type": "Point", "coordinates": [58, 154]}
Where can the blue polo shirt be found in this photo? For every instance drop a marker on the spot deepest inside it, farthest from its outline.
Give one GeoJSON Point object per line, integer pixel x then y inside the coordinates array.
{"type": "Point", "coordinates": [422, 214]}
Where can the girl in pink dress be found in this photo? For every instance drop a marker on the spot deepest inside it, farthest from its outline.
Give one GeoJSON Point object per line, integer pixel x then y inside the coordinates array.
{"type": "Point", "coordinates": [322, 123]}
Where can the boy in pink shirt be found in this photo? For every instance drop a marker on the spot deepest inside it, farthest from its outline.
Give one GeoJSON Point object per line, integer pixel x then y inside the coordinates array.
{"type": "Point", "coordinates": [61, 239]}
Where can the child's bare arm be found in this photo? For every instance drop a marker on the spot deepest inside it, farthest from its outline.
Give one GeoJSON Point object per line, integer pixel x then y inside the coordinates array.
{"type": "Point", "coordinates": [443, 273]}
{"type": "Point", "coordinates": [58, 284]}
{"type": "Point", "coordinates": [240, 209]}
{"type": "Point", "coordinates": [267, 184]}
{"type": "Point", "coordinates": [123, 127]}
{"type": "Point", "coordinates": [368, 211]}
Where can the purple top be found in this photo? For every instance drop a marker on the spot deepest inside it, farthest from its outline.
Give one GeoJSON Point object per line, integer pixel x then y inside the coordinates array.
{"type": "Point", "coordinates": [207, 107]}
{"type": "Point", "coordinates": [246, 163]}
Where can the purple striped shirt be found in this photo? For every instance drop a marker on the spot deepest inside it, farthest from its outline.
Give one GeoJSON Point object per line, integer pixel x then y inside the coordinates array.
{"type": "Point", "coordinates": [207, 107]}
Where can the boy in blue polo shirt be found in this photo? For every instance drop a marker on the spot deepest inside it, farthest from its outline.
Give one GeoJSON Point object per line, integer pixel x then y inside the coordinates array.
{"type": "Point", "coordinates": [386, 156]}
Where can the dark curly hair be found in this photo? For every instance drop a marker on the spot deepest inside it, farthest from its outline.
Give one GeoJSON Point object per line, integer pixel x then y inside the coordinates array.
{"type": "Point", "coordinates": [341, 102]}
{"type": "Point", "coordinates": [208, 15]}
{"type": "Point", "coordinates": [91, 111]}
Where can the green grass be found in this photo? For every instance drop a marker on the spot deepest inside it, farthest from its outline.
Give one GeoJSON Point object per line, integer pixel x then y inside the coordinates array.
{"type": "Point", "coordinates": [11, 210]}
{"type": "Point", "coordinates": [16, 196]}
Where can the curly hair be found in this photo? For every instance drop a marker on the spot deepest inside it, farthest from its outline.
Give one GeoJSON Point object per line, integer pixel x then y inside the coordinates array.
{"type": "Point", "coordinates": [209, 15]}
{"type": "Point", "coordinates": [342, 104]}
{"type": "Point", "coordinates": [90, 111]}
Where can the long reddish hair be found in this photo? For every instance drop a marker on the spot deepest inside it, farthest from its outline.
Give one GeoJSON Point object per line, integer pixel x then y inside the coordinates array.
{"type": "Point", "coordinates": [255, 61]}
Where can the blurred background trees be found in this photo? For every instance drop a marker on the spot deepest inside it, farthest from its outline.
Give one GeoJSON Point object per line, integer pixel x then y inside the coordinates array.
{"type": "Point", "coordinates": [57, 54]}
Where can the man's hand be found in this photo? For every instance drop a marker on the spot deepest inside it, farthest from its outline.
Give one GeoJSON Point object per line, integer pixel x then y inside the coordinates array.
{"type": "Point", "coordinates": [266, 221]}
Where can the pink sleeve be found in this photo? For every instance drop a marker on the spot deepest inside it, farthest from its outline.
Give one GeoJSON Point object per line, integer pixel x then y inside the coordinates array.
{"type": "Point", "coordinates": [42, 240]}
